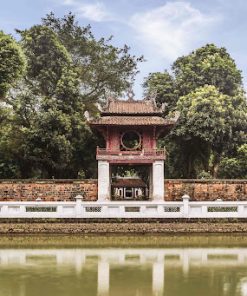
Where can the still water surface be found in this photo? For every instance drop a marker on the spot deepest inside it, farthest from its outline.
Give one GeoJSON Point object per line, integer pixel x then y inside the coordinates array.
{"type": "Point", "coordinates": [133, 267]}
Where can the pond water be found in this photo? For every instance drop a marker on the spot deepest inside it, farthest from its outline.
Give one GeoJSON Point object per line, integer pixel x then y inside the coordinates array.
{"type": "Point", "coordinates": [123, 266]}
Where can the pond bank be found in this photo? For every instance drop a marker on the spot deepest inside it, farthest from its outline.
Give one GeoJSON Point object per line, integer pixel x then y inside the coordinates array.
{"type": "Point", "coordinates": [122, 227]}
{"type": "Point", "coordinates": [122, 241]}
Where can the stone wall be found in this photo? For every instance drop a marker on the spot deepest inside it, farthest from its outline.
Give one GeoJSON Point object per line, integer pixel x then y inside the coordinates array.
{"type": "Point", "coordinates": [47, 190]}
{"type": "Point", "coordinates": [202, 190]}
{"type": "Point", "coordinates": [66, 190]}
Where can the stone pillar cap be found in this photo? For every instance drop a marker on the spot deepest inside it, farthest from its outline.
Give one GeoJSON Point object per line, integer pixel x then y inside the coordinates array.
{"type": "Point", "coordinates": [79, 197]}
{"type": "Point", "coordinates": [185, 196]}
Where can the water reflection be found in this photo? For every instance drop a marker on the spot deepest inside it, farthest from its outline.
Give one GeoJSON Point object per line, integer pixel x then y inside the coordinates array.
{"type": "Point", "coordinates": [123, 271]}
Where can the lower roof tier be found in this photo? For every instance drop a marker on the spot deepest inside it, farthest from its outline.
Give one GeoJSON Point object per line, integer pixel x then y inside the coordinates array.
{"type": "Point", "coordinates": [135, 161]}
{"type": "Point", "coordinates": [131, 157]}
{"type": "Point", "coordinates": [132, 120]}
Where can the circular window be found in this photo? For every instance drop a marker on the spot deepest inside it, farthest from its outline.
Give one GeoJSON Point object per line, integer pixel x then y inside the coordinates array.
{"type": "Point", "coordinates": [131, 140]}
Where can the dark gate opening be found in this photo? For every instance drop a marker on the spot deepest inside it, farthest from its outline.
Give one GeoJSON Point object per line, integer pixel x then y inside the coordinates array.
{"type": "Point", "coordinates": [130, 182]}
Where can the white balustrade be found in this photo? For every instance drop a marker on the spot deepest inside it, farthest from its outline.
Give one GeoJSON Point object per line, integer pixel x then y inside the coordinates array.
{"type": "Point", "coordinates": [124, 209]}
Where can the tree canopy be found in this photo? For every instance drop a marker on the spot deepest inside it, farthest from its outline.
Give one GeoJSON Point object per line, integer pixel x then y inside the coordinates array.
{"type": "Point", "coordinates": [235, 167]}
{"type": "Point", "coordinates": [102, 68]}
{"type": "Point", "coordinates": [206, 88]}
{"type": "Point", "coordinates": [209, 65]}
{"type": "Point", "coordinates": [12, 62]}
{"type": "Point", "coordinates": [58, 70]}
{"type": "Point", "coordinates": [68, 72]}
{"type": "Point", "coordinates": [210, 120]}
{"type": "Point", "coordinates": [163, 85]}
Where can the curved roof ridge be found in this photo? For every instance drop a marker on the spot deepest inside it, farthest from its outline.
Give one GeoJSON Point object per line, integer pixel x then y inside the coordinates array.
{"type": "Point", "coordinates": [119, 106]}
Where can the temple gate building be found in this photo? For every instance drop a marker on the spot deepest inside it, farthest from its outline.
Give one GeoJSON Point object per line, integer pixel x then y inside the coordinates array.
{"type": "Point", "coordinates": [131, 129]}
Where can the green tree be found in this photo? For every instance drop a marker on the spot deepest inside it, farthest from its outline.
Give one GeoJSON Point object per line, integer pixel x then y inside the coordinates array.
{"type": "Point", "coordinates": [204, 133]}
{"type": "Point", "coordinates": [12, 62]}
{"type": "Point", "coordinates": [208, 65]}
{"type": "Point", "coordinates": [164, 87]}
{"type": "Point", "coordinates": [102, 68]}
{"type": "Point", "coordinates": [8, 164]}
{"type": "Point", "coordinates": [235, 167]}
{"type": "Point", "coordinates": [47, 59]}
{"type": "Point", "coordinates": [46, 106]}
{"type": "Point", "coordinates": [211, 123]}
{"type": "Point", "coordinates": [68, 72]}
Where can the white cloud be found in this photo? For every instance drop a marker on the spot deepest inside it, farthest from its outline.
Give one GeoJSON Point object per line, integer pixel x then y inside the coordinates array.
{"type": "Point", "coordinates": [172, 29]}
{"type": "Point", "coordinates": [93, 11]}
{"type": "Point", "coordinates": [68, 2]}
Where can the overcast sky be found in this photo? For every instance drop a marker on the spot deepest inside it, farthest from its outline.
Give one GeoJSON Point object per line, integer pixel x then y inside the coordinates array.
{"type": "Point", "coordinates": [160, 30]}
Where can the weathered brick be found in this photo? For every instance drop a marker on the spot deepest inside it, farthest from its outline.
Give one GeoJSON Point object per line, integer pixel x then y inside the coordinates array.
{"type": "Point", "coordinates": [202, 190]}
{"type": "Point", "coordinates": [66, 190]}
{"type": "Point", "coordinates": [47, 190]}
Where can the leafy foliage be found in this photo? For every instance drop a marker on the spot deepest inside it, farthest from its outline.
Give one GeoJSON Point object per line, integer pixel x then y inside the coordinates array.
{"type": "Point", "coordinates": [102, 68]}
{"type": "Point", "coordinates": [164, 87]}
{"type": "Point", "coordinates": [206, 88]}
{"type": "Point", "coordinates": [59, 70]}
{"type": "Point", "coordinates": [207, 65]}
{"type": "Point", "coordinates": [235, 167]}
{"type": "Point", "coordinates": [68, 71]}
{"type": "Point", "coordinates": [12, 63]}
{"type": "Point", "coordinates": [209, 115]}
{"type": "Point", "coordinates": [211, 119]}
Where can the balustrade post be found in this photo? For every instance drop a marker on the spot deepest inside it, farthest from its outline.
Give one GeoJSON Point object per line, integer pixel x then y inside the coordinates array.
{"type": "Point", "coordinates": [23, 210]}
{"type": "Point", "coordinates": [158, 181]}
{"type": "Point", "coordinates": [185, 198]}
{"type": "Point", "coordinates": [240, 211]}
{"type": "Point", "coordinates": [204, 211]}
{"type": "Point", "coordinates": [160, 210]}
{"type": "Point", "coordinates": [4, 210]}
{"type": "Point", "coordinates": [103, 180]}
{"type": "Point", "coordinates": [104, 210]}
{"type": "Point", "coordinates": [60, 212]}
{"type": "Point", "coordinates": [78, 206]}
{"type": "Point", "coordinates": [121, 210]}
{"type": "Point", "coordinates": [142, 209]}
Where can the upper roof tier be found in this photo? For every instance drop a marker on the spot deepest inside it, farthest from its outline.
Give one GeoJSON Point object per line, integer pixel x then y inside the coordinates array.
{"type": "Point", "coordinates": [131, 107]}
{"type": "Point", "coordinates": [132, 112]}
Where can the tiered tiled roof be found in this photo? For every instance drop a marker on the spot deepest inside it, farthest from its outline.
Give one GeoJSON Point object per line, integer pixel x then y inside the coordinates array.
{"type": "Point", "coordinates": [131, 112]}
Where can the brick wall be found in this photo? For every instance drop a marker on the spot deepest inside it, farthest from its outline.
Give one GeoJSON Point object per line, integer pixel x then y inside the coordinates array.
{"type": "Point", "coordinates": [47, 190]}
{"type": "Point", "coordinates": [202, 190]}
{"type": "Point", "coordinates": [66, 190]}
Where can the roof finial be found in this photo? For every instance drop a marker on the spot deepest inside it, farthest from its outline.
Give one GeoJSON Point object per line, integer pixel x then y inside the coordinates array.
{"type": "Point", "coordinates": [151, 98]}
{"type": "Point", "coordinates": [130, 94]}
{"type": "Point", "coordinates": [152, 94]}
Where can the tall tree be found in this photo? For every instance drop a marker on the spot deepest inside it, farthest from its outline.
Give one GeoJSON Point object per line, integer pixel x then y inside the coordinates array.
{"type": "Point", "coordinates": [12, 62]}
{"type": "Point", "coordinates": [103, 68]}
{"type": "Point", "coordinates": [209, 65]}
{"type": "Point", "coordinates": [47, 59]}
{"type": "Point", "coordinates": [45, 105]}
{"type": "Point", "coordinates": [68, 72]}
{"type": "Point", "coordinates": [204, 133]}
{"type": "Point", "coordinates": [211, 119]}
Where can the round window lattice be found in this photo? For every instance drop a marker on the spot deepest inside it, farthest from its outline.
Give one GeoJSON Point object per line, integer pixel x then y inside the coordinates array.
{"type": "Point", "coordinates": [131, 140]}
